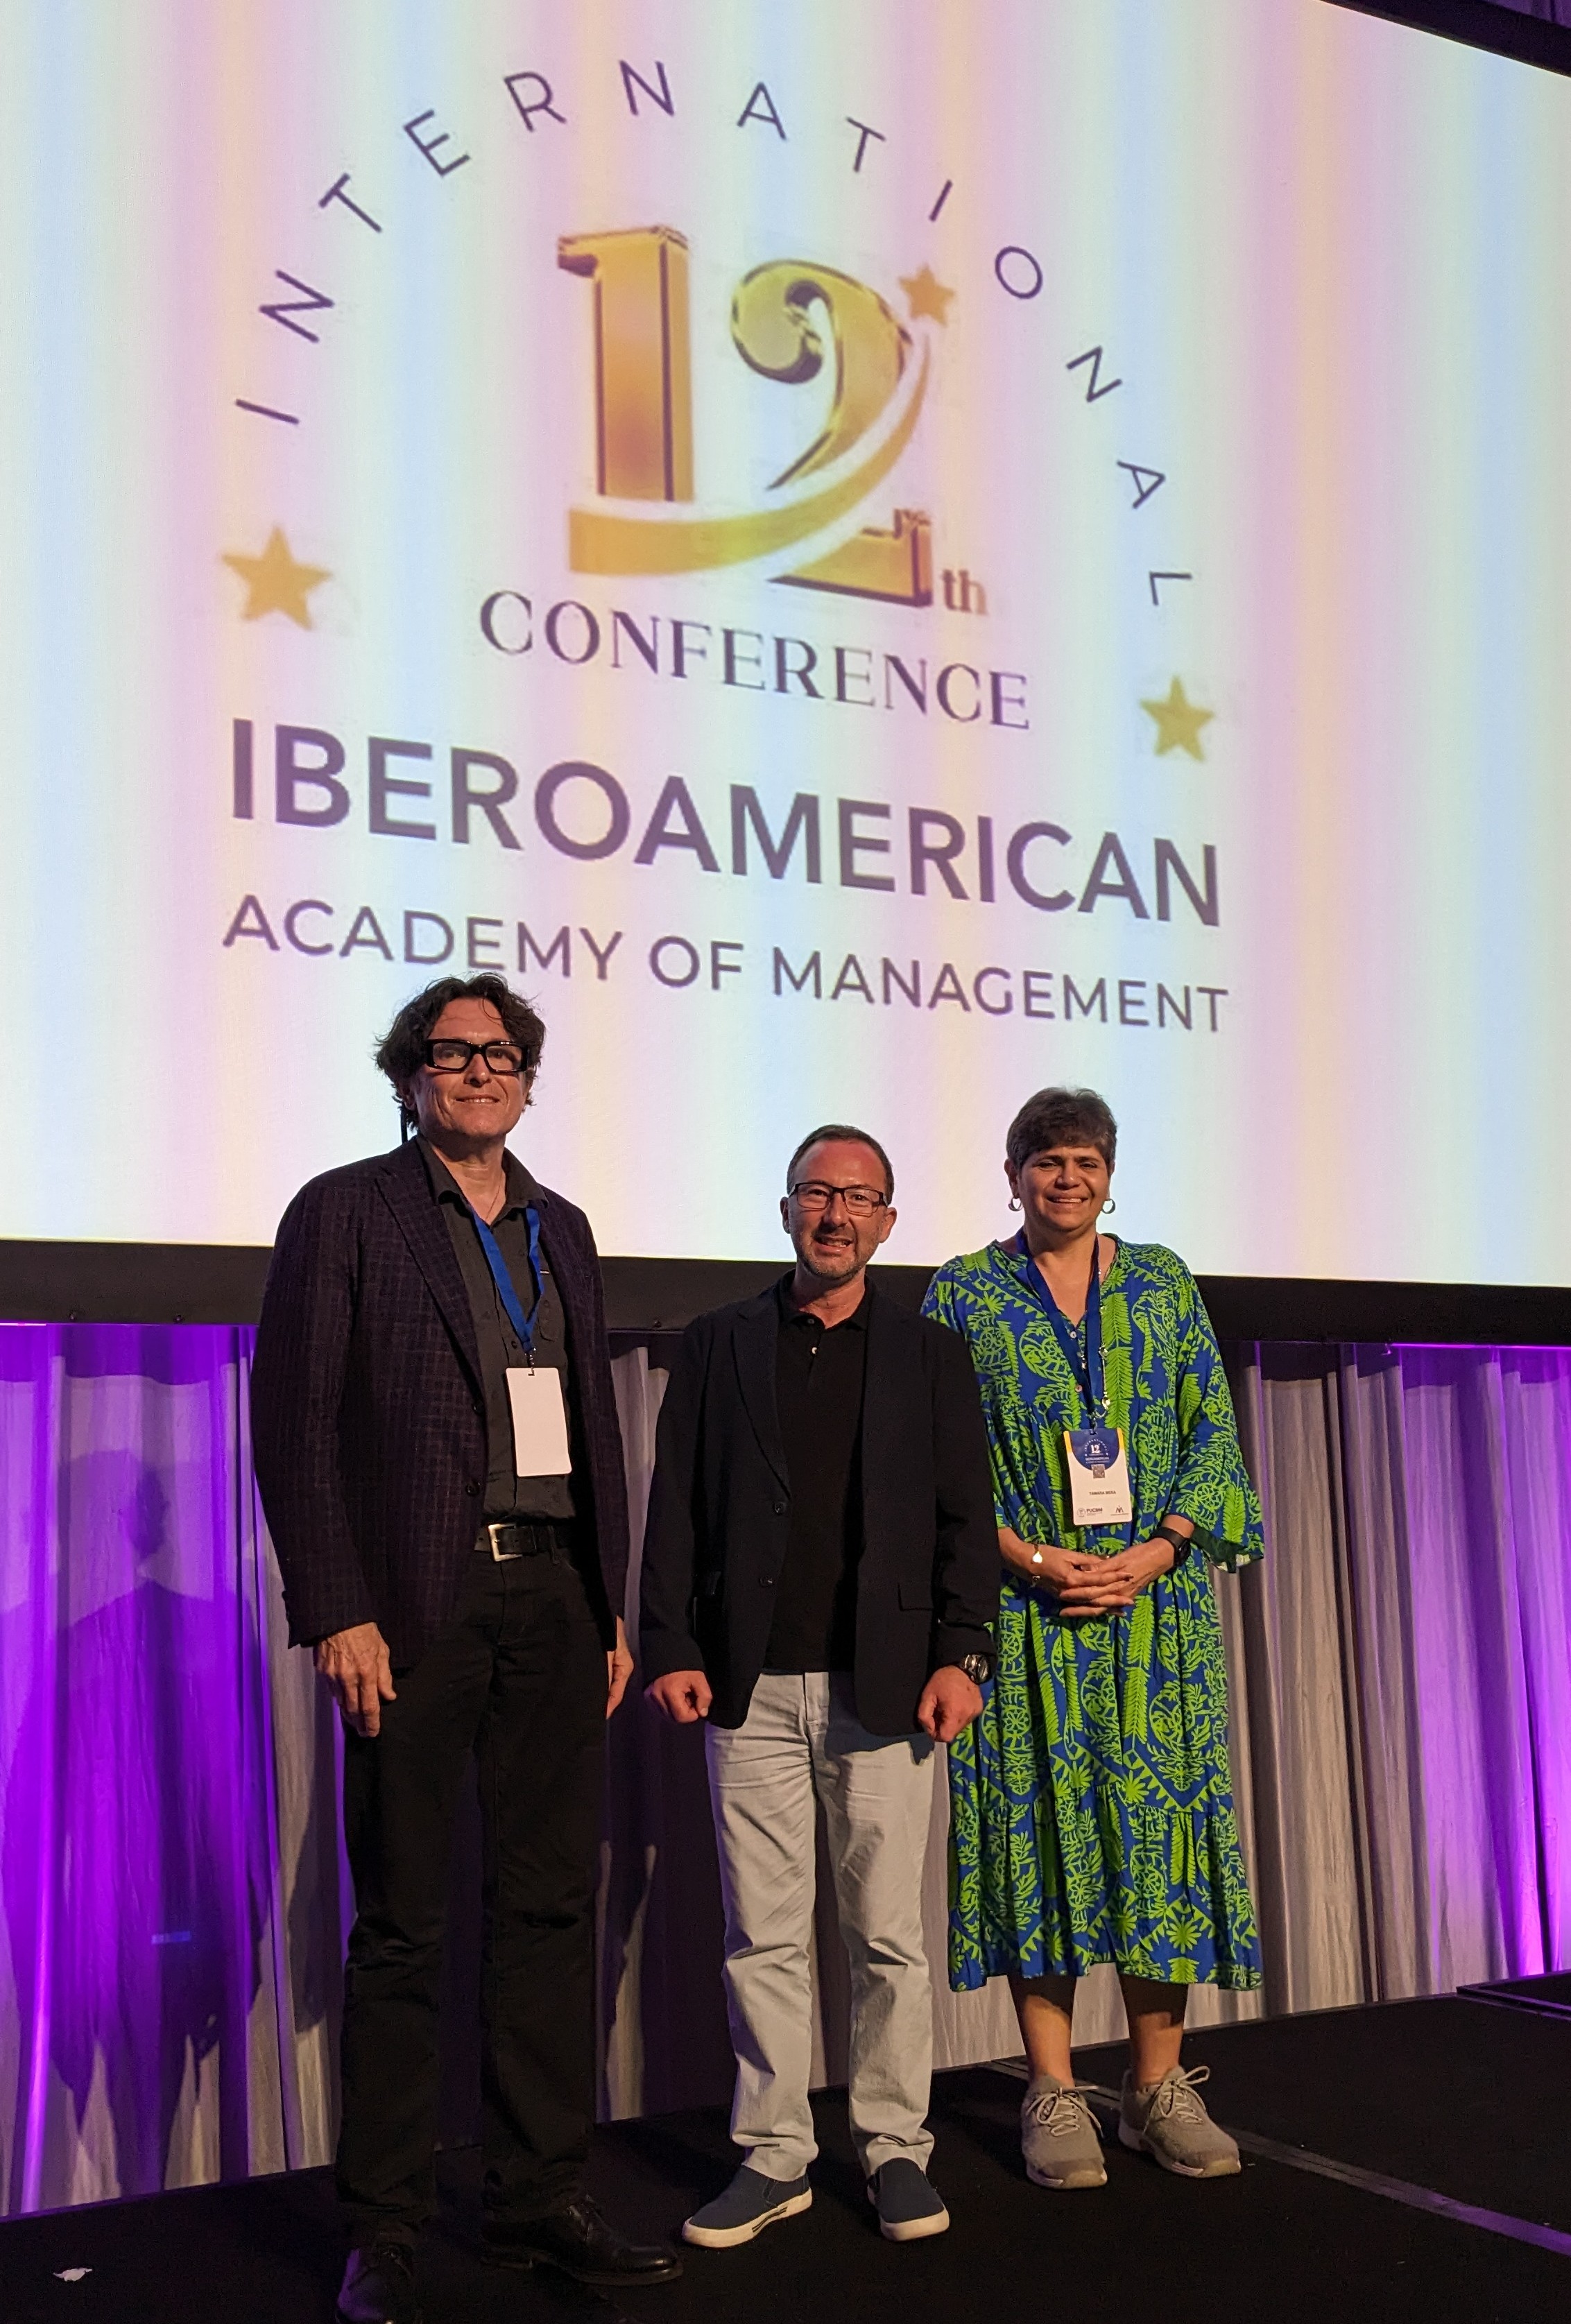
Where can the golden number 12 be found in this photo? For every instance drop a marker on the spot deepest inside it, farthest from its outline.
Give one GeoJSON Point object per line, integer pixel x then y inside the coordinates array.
{"type": "Point", "coordinates": [643, 385]}
{"type": "Point", "coordinates": [644, 403]}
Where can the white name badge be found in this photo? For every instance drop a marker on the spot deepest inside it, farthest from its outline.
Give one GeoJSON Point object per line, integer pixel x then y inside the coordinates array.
{"type": "Point", "coordinates": [539, 1421]}
{"type": "Point", "coordinates": [1098, 1468]}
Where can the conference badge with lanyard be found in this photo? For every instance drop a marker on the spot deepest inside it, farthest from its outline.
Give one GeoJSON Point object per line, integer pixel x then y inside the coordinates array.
{"type": "Point", "coordinates": [1095, 1457]}
{"type": "Point", "coordinates": [539, 1416]}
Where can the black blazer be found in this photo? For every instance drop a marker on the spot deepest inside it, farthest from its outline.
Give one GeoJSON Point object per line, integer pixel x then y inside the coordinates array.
{"type": "Point", "coordinates": [366, 1418]}
{"type": "Point", "coordinates": [719, 1512]}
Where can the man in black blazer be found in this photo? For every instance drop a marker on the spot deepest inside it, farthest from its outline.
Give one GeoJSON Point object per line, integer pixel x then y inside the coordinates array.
{"type": "Point", "coordinates": [820, 1576]}
{"type": "Point", "coordinates": [440, 1464]}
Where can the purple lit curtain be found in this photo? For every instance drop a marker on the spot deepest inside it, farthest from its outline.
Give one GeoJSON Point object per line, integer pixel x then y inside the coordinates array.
{"type": "Point", "coordinates": [1401, 1667]}
{"type": "Point", "coordinates": [173, 1907]}
{"type": "Point", "coordinates": [168, 1870]}
{"type": "Point", "coordinates": [1553, 12]}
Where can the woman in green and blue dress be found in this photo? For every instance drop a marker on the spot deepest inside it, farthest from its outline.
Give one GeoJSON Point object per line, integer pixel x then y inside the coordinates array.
{"type": "Point", "coordinates": [1092, 1816]}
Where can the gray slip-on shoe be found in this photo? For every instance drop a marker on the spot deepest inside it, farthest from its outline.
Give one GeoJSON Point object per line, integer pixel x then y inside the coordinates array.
{"type": "Point", "coordinates": [750, 2204]}
{"type": "Point", "coordinates": [1169, 2121]}
{"type": "Point", "coordinates": [1059, 2136]}
{"type": "Point", "coordinates": [908, 2204]}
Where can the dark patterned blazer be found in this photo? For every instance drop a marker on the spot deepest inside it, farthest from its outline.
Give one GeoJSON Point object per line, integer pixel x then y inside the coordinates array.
{"type": "Point", "coordinates": [367, 1420]}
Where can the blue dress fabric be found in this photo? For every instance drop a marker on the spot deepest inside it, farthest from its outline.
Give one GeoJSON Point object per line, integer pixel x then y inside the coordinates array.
{"type": "Point", "coordinates": [1092, 1815]}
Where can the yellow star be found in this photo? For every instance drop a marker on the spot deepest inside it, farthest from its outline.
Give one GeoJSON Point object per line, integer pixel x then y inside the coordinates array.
{"type": "Point", "coordinates": [275, 584]}
{"type": "Point", "coordinates": [925, 295]}
{"type": "Point", "coordinates": [1179, 722]}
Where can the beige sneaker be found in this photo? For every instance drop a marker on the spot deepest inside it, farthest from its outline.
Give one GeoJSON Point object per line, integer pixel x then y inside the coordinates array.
{"type": "Point", "coordinates": [1169, 2120]}
{"type": "Point", "coordinates": [1059, 2136]}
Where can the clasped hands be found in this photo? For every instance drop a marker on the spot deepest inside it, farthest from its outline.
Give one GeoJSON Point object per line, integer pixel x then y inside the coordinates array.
{"type": "Point", "coordinates": [1087, 1586]}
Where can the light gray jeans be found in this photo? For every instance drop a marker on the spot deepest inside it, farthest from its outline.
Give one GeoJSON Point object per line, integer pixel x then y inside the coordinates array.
{"type": "Point", "coordinates": [802, 1736]}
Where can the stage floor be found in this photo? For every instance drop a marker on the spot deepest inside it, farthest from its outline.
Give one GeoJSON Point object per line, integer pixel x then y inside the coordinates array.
{"type": "Point", "coordinates": [1423, 2103]}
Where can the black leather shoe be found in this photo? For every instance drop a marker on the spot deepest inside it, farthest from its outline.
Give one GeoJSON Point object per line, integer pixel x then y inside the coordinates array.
{"type": "Point", "coordinates": [582, 2242]}
{"type": "Point", "coordinates": [378, 2286]}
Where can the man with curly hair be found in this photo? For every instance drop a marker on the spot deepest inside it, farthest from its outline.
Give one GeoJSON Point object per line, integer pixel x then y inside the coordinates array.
{"type": "Point", "coordinates": [440, 1463]}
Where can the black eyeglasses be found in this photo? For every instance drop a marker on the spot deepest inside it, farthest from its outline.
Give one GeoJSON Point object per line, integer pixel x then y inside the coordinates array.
{"type": "Point", "coordinates": [814, 1194]}
{"type": "Point", "coordinates": [453, 1056]}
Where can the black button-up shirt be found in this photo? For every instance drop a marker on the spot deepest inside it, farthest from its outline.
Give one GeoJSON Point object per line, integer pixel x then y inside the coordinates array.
{"type": "Point", "coordinates": [507, 1494]}
{"type": "Point", "coordinates": [820, 1374]}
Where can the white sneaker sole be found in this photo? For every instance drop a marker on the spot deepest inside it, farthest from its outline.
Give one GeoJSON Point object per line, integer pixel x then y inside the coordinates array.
{"type": "Point", "coordinates": [913, 2231]}
{"type": "Point", "coordinates": [1069, 2180]}
{"type": "Point", "coordinates": [1225, 2167]}
{"type": "Point", "coordinates": [726, 2239]}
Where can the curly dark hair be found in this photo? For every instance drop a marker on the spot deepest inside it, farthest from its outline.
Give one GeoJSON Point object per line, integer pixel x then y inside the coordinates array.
{"type": "Point", "coordinates": [402, 1050]}
{"type": "Point", "coordinates": [847, 1135]}
{"type": "Point", "coordinates": [1054, 1117]}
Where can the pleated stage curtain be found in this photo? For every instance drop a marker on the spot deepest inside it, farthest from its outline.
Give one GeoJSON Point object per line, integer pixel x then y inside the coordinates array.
{"type": "Point", "coordinates": [171, 1922]}
{"type": "Point", "coordinates": [1552, 11]}
{"type": "Point", "coordinates": [1401, 1667]}
{"type": "Point", "coordinates": [173, 1900]}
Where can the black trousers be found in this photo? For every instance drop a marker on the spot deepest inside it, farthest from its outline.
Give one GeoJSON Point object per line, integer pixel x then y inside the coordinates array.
{"type": "Point", "coordinates": [518, 1676]}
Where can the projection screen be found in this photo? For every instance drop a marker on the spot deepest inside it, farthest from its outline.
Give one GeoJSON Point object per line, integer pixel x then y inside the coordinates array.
{"type": "Point", "coordinates": [872, 558]}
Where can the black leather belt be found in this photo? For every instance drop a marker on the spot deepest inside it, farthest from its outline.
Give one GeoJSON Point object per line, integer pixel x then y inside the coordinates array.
{"type": "Point", "coordinates": [539, 1538]}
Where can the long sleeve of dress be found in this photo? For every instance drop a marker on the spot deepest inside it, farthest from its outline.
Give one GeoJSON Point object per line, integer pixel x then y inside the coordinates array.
{"type": "Point", "coordinates": [944, 1303]}
{"type": "Point", "coordinates": [1212, 1487]}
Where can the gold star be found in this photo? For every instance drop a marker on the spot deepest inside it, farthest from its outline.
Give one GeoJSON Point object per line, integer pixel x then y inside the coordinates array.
{"type": "Point", "coordinates": [925, 295]}
{"type": "Point", "coordinates": [1179, 722]}
{"type": "Point", "coordinates": [275, 584]}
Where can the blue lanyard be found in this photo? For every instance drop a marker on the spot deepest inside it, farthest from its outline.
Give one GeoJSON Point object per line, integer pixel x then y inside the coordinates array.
{"type": "Point", "coordinates": [1085, 1364]}
{"type": "Point", "coordinates": [522, 1324]}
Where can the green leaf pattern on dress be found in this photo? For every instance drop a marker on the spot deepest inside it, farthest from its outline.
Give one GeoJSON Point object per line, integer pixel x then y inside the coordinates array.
{"type": "Point", "coordinates": [1091, 1804]}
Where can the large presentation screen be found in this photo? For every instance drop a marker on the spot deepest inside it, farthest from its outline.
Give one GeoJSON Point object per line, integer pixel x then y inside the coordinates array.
{"type": "Point", "coordinates": [871, 557]}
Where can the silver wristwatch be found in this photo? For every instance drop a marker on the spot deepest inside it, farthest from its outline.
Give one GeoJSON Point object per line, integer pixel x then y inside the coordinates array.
{"type": "Point", "coordinates": [978, 1668]}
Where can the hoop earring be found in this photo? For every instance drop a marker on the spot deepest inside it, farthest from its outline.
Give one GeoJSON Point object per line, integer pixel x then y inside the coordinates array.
{"type": "Point", "coordinates": [1108, 1205]}
{"type": "Point", "coordinates": [1014, 1201]}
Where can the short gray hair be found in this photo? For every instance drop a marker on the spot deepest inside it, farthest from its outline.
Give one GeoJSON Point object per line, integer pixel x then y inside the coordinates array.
{"type": "Point", "coordinates": [1054, 1117]}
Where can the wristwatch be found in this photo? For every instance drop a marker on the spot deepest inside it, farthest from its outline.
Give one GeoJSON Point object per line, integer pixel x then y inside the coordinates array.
{"type": "Point", "coordinates": [1180, 1541]}
{"type": "Point", "coordinates": [978, 1668]}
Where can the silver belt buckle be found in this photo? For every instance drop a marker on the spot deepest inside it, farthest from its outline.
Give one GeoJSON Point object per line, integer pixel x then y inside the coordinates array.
{"type": "Point", "coordinates": [501, 1556]}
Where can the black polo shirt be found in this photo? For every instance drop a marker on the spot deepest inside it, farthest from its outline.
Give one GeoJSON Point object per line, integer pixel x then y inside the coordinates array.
{"type": "Point", "coordinates": [507, 1494]}
{"type": "Point", "coordinates": [819, 1380]}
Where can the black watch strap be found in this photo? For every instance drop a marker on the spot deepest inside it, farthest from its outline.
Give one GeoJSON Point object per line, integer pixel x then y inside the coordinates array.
{"type": "Point", "coordinates": [1180, 1541]}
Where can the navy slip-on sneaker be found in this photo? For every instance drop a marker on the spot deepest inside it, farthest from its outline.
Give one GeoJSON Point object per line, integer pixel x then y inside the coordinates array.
{"type": "Point", "coordinates": [908, 2204]}
{"type": "Point", "coordinates": [750, 2204]}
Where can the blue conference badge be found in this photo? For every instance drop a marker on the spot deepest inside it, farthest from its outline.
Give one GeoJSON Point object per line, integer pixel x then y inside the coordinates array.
{"type": "Point", "coordinates": [1096, 1449]}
